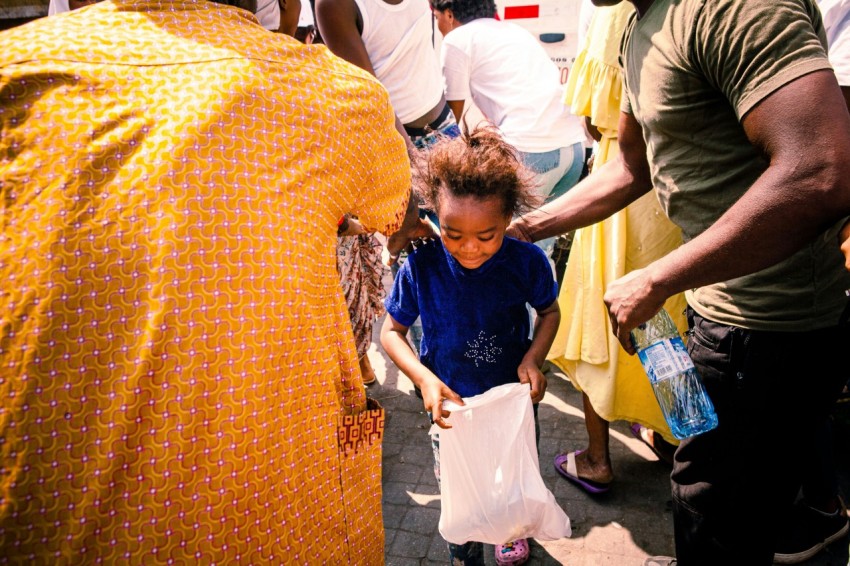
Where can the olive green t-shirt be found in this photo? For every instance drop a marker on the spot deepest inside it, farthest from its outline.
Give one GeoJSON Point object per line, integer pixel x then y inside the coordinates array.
{"type": "Point", "coordinates": [693, 69]}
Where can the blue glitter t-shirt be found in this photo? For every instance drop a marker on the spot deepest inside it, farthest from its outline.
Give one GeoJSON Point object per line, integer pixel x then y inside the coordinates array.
{"type": "Point", "coordinates": [475, 324]}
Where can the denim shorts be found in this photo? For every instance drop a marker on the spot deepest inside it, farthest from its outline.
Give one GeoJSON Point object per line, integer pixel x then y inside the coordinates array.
{"type": "Point", "coordinates": [557, 172]}
{"type": "Point", "coordinates": [444, 126]}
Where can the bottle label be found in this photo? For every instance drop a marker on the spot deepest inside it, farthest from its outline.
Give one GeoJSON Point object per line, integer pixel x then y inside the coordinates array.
{"type": "Point", "coordinates": [665, 359]}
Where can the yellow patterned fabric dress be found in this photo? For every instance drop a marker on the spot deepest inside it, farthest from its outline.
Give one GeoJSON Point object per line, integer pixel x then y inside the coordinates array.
{"type": "Point", "coordinates": [178, 377]}
{"type": "Point", "coordinates": [585, 346]}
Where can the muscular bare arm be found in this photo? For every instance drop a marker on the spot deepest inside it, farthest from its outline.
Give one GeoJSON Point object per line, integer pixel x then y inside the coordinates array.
{"type": "Point", "coordinates": [608, 189]}
{"type": "Point", "coordinates": [289, 12]}
{"type": "Point", "coordinates": [457, 109]}
{"type": "Point", "coordinates": [338, 25]}
{"type": "Point", "coordinates": [805, 189]}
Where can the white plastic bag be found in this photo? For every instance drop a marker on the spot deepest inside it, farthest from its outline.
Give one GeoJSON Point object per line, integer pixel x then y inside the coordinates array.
{"type": "Point", "coordinates": [491, 487]}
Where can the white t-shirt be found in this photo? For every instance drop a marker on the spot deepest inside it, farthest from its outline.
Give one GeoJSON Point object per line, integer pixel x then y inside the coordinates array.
{"type": "Point", "coordinates": [511, 79]}
{"type": "Point", "coordinates": [397, 38]}
{"type": "Point", "coordinates": [305, 18]}
{"type": "Point", "coordinates": [836, 20]}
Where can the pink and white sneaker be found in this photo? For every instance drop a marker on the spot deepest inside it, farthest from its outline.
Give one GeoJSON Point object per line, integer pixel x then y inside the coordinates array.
{"type": "Point", "coordinates": [513, 553]}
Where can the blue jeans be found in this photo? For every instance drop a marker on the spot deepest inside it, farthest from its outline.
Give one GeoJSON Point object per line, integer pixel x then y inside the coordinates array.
{"type": "Point", "coordinates": [557, 172]}
{"type": "Point", "coordinates": [733, 487]}
{"type": "Point", "coordinates": [469, 553]}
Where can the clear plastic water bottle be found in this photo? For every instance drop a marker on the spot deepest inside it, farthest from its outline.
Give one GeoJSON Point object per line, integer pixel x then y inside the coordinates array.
{"type": "Point", "coordinates": [675, 381]}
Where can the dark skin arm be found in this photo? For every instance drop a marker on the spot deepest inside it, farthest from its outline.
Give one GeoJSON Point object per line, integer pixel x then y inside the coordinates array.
{"type": "Point", "coordinates": [806, 186]}
{"type": "Point", "coordinates": [605, 191]}
{"type": "Point", "coordinates": [591, 129]}
{"type": "Point", "coordinates": [395, 344]}
{"type": "Point", "coordinates": [456, 106]}
{"type": "Point", "coordinates": [289, 12]}
{"type": "Point", "coordinates": [529, 371]}
{"type": "Point", "coordinates": [434, 391]}
{"type": "Point", "coordinates": [339, 25]}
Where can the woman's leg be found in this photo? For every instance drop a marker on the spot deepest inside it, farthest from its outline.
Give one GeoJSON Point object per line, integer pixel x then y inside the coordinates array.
{"type": "Point", "coordinates": [595, 462]}
{"type": "Point", "coordinates": [367, 371]}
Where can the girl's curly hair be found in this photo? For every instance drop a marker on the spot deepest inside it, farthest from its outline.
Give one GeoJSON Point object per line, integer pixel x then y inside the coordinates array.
{"type": "Point", "coordinates": [479, 164]}
{"type": "Point", "coordinates": [466, 10]}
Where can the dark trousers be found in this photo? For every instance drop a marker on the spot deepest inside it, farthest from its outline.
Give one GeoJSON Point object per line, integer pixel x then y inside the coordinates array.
{"type": "Point", "coordinates": [734, 486]}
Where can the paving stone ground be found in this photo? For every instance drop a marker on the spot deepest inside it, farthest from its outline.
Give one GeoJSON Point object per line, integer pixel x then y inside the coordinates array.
{"type": "Point", "coordinates": [620, 528]}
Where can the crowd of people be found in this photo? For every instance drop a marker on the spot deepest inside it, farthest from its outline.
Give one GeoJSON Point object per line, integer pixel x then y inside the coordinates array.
{"type": "Point", "coordinates": [195, 205]}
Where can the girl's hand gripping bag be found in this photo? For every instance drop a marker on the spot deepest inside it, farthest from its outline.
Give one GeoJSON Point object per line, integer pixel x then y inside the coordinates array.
{"type": "Point", "coordinates": [491, 488]}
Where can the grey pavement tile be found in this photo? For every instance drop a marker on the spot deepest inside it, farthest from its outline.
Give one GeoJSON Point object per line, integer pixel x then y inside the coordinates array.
{"type": "Point", "coordinates": [394, 514]}
{"type": "Point", "coordinates": [398, 493]}
{"type": "Point", "coordinates": [429, 478]}
{"type": "Point", "coordinates": [421, 520]}
{"type": "Point", "coordinates": [540, 554]}
{"type": "Point", "coordinates": [391, 449]}
{"type": "Point", "coordinates": [621, 528]}
{"type": "Point", "coordinates": [606, 514]}
{"type": "Point", "coordinates": [408, 410]}
{"type": "Point", "coordinates": [389, 536]}
{"type": "Point", "coordinates": [606, 540]}
{"type": "Point", "coordinates": [411, 545]}
{"type": "Point", "coordinates": [406, 471]}
{"type": "Point", "coordinates": [566, 492]}
{"type": "Point", "coordinates": [438, 551]}
{"type": "Point", "coordinates": [419, 452]}
{"type": "Point", "coordinates": [581, 518]}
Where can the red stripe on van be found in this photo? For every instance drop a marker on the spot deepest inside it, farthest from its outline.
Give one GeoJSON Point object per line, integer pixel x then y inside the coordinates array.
{"type": "Point", "coordinates": [520, 12]}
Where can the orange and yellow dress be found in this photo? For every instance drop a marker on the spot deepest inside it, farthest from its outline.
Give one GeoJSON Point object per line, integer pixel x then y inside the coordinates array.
{"type": "Point", "coordinates": [178, 377]}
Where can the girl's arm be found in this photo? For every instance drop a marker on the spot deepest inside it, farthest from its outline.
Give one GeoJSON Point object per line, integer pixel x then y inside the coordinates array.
{"type": "Point", "coordinates": [545, 328]}
{"type": "Point", "coordinates": [394, 341]}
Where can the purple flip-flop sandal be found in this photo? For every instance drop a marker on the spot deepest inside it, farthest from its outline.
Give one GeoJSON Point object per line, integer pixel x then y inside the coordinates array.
{"type": "Point", "coordinates": [571, 473]}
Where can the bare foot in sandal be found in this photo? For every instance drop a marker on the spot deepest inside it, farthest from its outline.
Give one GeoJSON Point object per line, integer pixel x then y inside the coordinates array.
{"type": "Point", "coordinates": [594, 468]}
{"type": "Point", "coordinates": [593, 477]}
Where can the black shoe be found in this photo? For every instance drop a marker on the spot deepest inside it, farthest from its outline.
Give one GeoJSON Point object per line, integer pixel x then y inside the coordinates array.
{"type": "Point", "coordinates": [810, 532]}
{"type": "Point", "coordinates": [660, 561]}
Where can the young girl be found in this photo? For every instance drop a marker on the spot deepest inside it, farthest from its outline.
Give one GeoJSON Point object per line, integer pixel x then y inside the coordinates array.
{"type": "Point", "coordinates": [475, 184]}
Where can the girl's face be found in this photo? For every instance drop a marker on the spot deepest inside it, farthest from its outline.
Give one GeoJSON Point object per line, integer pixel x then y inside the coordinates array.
{"type": "Point", "coordinates": [472, 229]}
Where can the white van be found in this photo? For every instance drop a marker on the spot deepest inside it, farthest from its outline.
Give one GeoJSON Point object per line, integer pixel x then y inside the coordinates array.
{"type": "Point", "coordinates": [555, 24]}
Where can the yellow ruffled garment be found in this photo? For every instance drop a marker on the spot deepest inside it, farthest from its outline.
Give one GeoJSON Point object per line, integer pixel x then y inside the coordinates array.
{"type": "Point", "coordinates": [585, 346]}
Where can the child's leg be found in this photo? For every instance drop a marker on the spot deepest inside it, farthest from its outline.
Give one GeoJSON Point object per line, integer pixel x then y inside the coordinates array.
{"type": "Point", "coordinates": [467, 554]}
